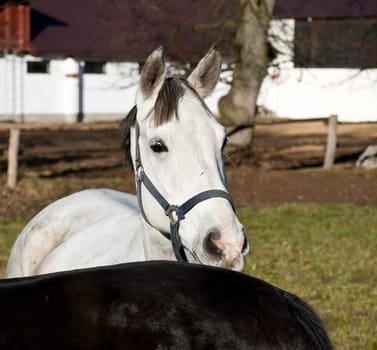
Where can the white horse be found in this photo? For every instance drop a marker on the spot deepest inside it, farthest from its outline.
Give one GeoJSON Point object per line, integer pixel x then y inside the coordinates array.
{"type": "Point", "coordinates": [175, 146]}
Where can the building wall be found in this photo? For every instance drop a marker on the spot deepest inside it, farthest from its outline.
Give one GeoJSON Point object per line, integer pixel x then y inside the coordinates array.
{"type": "Point", "coordinates": [11, 86]}
{"type": "Point", "coordinates": [61, 95]}
{"type": "Point", "coordinates": [316, 93]}
{"type": "Point", "coordinates": [44, 93]}
{"type": "Point", "coordinates": [112, 93]}
{"type": "Point", "coordinates": [287, 92]}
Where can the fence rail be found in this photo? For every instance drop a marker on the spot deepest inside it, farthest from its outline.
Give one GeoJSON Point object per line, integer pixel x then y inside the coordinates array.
{"type": "Point", "coordinates": [9, 151]}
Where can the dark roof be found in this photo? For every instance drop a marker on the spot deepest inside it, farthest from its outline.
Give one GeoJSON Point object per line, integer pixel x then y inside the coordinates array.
{"type": "Point", "coordinates": [13, 2]}
{"type": "Point", "coordinates": [130, 30]}
{"type": "Point", "coordinates": [325, 8]}
{"type": "Point", "coordinates": [120, 29]}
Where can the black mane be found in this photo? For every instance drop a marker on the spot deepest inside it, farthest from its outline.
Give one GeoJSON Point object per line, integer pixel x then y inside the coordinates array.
{"type": "Point", "coordinates": [165, 109]}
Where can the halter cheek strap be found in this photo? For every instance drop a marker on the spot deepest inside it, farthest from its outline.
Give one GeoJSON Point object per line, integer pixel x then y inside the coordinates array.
{"type": "Point", "coordinates": [176, 213]}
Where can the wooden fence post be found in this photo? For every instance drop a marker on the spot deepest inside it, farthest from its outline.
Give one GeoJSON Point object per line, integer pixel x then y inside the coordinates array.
{"type": "Point", "coordinates": [331, 143]}
{"type": "Point", "coordinates": [14, 140]}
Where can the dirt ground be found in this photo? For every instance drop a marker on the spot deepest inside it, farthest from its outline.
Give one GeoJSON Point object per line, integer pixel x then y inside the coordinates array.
{"type": "Point", "coordinates": [284, 165]}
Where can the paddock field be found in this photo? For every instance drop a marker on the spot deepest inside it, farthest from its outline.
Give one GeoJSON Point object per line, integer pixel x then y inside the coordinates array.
{"type": "Point", "coordinates": [311, 232]}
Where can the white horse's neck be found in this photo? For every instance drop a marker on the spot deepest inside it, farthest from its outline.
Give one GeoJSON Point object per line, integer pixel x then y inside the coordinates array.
{"type": "Point", "coordinates": [156, 246]}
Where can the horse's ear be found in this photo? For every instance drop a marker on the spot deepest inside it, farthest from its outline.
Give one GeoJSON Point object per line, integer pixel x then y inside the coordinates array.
{"type": "Point", "coordinates": [153, 73]}
{"type": "Point", "coordinates": [206, 74]}
{"type": "Point", "coordinates": [125, 134]}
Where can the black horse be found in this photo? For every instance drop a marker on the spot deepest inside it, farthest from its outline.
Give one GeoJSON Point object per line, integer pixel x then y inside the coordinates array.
{"type": "Point", "coordinates": [154, 305]}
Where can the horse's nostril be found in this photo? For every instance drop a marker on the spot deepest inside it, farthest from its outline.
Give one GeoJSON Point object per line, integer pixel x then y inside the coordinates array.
{"type": "Point", "coordinates": [214, 235]}
{"type": "Point", "coordinates": [210, 245]}
{"type": "Point", "coordinates": [245, 246]}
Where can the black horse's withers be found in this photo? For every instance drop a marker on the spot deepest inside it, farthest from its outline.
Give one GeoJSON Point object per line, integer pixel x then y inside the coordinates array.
{"type": "Point", "coordinates": [154, 305]}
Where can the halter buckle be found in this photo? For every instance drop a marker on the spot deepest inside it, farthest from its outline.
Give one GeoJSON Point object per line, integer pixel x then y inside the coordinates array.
{"type": "Point", "coordinates": [172, 212]}
{"type": "Point", "coordinates": [139, 173]}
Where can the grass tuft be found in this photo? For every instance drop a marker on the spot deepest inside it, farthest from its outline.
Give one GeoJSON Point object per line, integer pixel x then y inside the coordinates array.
{"type": "Point", "coordinates": [9, 231]}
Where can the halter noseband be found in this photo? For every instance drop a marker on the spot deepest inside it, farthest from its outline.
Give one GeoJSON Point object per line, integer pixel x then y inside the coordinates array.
{"type": "Point", "coordinates": [176, 213]}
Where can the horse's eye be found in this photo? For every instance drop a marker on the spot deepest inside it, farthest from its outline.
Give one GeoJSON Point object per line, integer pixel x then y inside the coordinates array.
{"type": "Point", "coordinates": [158, 147]}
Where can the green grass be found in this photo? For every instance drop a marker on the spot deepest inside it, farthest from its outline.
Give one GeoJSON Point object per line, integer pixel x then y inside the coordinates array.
{"type": "Point", "coordinates": [326, 254]}
{"type": "Point", "coordinates": [8, 234]}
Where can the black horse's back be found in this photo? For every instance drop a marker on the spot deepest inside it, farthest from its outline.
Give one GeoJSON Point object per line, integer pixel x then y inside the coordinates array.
{"type": "Point", "coordinates": [154, 305]}
{"type": "Point", "coordinates": [308, 319]}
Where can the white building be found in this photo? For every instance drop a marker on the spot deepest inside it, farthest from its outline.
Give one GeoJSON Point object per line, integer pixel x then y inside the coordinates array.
{"type": "Point", "coordinates": [318, 92]}
{"type": "Point", "coordinates": [32, 89]}
{"type": "Point", "coordinates": [55, 91]}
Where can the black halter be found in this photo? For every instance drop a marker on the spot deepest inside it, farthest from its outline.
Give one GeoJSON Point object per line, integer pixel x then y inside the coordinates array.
{"type": "Point", "coordinates": [176, 213]}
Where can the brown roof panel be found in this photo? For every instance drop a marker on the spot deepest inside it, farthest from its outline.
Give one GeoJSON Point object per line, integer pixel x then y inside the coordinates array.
{"type": "Point", "coordinates": [130, 30]}
{"type": "Point", "coordinates": [325, 8]}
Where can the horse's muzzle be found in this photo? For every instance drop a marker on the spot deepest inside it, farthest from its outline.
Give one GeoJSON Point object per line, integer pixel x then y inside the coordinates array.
{"type": "Point", "coordinates": [220, 252]}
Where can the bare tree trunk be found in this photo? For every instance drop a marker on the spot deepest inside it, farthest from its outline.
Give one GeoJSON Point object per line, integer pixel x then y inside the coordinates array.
{"type": "Point", "coordinates": [239, 105]}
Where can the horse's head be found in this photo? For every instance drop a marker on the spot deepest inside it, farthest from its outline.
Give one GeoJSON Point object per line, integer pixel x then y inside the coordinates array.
{"type": "Point", "coordinates": [180, 146]}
